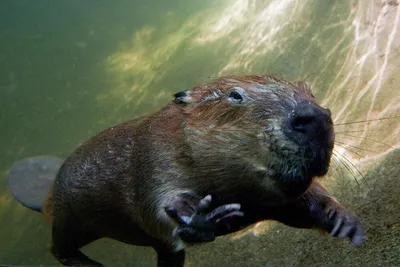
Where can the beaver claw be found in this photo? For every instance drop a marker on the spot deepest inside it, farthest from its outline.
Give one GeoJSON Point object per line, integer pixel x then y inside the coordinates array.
{"type": "Point", "coordinates": [200, 226]}
{"type": "Point", "coordinates": [346, 224]}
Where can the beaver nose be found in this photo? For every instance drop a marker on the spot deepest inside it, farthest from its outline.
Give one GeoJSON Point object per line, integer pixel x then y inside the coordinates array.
{"type": "Point", "coordinates": [308, 121]}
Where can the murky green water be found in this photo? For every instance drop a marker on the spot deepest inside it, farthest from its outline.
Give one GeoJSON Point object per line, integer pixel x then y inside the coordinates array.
{"type": "Point", "coordinates": [72, 68]}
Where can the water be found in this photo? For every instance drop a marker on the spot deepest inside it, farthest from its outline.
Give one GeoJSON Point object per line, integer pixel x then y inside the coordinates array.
{"type": "Point", "coordinates": [72, 68]}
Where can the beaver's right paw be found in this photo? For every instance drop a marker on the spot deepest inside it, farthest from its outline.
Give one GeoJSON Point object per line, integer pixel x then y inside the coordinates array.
{"type": "Point", "coordinates": [343, 224]}
{"type": "Point", "coordinates": [201, 226]}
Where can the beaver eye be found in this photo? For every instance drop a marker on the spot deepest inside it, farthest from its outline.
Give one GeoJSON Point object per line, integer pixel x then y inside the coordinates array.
{"type": "Point", "coordinates": [181, 97]}
{"type": "Point", "coordinates": [236, 96]}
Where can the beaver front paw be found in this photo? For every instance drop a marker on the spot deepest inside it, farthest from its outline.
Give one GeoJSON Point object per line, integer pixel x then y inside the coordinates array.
{"type": "Point", "coordinates": [345, 224]}
{"type": "Point", "coordinates": [200, 226]}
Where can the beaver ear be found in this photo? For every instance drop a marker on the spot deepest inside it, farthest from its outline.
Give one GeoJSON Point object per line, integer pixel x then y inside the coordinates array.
{"type": "Point", "coordinates": [303, 86]}
{"type": "Point", "coordinates": [181, 97]}
{"type": "Point", "coordinates": [306, 88]}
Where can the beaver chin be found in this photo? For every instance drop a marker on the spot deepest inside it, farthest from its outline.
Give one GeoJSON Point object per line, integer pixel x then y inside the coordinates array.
{"type": "Point", "coordinates": [317, 159]}
{"type": "Point", "coordinates": [295, 180]}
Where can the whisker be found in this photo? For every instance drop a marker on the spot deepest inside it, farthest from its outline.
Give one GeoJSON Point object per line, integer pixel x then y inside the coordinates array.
{"type": "Point", "coordinates": [366, 121]}
{"type": "Point", "coordinates": [357, 131]}
{"type": "Point", "coordinates": [339, 174]}
{"type": "Point", "coordinates": [337, 167]}
{"type": "Point", "coordinates": [356, 147]}
{"type": "Point", "coordinates": [350, 115]}
{"type": "Point", "coordinates": [366, 138]}
{"type": "Point", "coordinates": [346, 166]}
{"type": "Point", "coordinates": [358, 171]}
{"type": "Point", "coordinates": [351, 151]}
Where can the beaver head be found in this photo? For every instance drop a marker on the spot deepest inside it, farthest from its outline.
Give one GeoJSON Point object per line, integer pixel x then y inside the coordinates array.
{"type": "Point", "coordinates": [256, 130]}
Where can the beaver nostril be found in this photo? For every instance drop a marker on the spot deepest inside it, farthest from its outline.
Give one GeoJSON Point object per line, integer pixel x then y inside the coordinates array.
{"type": "Point", "coordinates": [301, 124]}
{"type": "Point", "coordinates": [306, 118]}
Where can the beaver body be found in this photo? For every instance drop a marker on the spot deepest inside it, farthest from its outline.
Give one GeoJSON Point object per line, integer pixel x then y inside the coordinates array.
{"type": "Point", "coordinates": [254, 140]}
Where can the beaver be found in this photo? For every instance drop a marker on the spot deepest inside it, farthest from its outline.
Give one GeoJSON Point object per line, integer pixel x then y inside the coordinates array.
{"type": "Point", "coordinates": [222, 156]}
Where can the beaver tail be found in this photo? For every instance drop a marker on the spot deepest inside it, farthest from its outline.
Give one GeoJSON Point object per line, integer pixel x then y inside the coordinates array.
{"type": "Point", "coordinates": [30, 182]}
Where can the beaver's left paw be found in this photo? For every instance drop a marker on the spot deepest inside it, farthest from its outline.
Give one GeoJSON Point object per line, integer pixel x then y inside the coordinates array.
{"type": "Point", "coordinates": [345, 224]}
{"type": "Point", "coordinates": [202, 224]}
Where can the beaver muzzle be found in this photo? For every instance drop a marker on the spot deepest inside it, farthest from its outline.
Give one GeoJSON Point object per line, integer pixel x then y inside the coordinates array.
{"type": "Point", "coordinates": [311, 128]}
